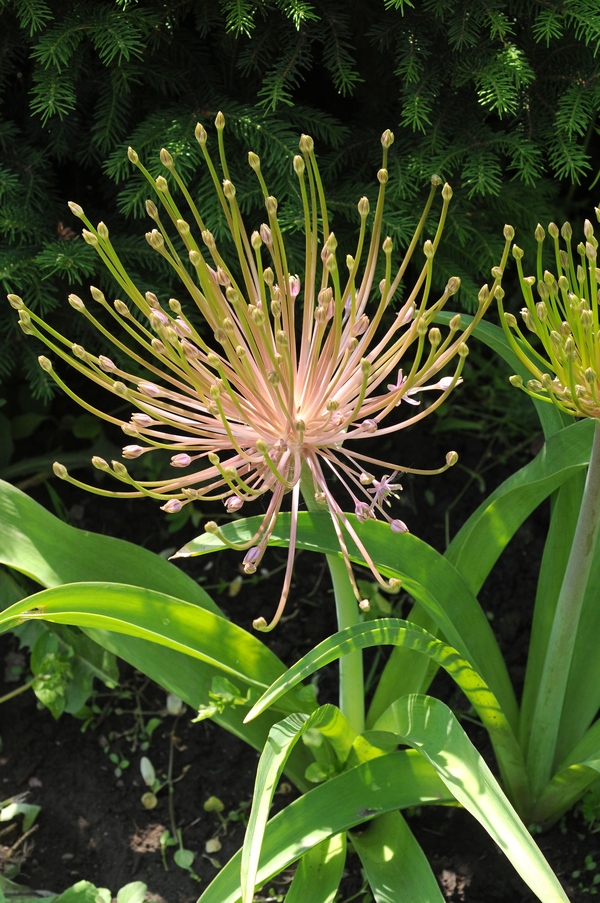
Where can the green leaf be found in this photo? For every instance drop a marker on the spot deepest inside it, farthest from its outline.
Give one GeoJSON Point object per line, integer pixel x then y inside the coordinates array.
{"type": "Point", "coordinates": [480, 542]}
{"type": "Point", "coordinates": [395, 865]}
{"type": "Point", "coordinates": [429, 726]}
{"type": "Point", "coordinates": [282, 737]}
{"type": "Point", "coordinates": [319, 872]}
{"type": "Point", "coordinates": [135, 892]}
{"type": "Point", "coordinates": [181, 646]}
{"type": "Point", "coordinates": [425, 574]}
{"type": "Point", "coordinates": [396, 632]}
{"type": "Point", "coordinates": [51, 552]}
{"type": "Point", "coordinates": [395, 781]}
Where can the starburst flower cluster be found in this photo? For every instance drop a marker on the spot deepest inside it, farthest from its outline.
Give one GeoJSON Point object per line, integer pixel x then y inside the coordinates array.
{"type": "Point", "coordinates": [296, 371]}
{"type": "Point", "coordinates": [563, 315]}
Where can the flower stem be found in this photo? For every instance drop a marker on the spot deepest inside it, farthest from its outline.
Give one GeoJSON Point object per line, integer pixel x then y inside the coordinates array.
{"type": "Point", "coordinates": [555, 674]}
{"type": "Point", "coordinates": [352, 695]}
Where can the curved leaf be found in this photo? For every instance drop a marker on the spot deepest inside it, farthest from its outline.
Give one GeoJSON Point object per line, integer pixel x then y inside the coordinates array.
{"type": "Point", "coordinates": [425, 574]}
{"type": "Point", "coordinates": [393, 781]}
{"type": "Point", "coordinates": [479, 543]}
{"type": "Point", "coordinates": [395, 865]}
{"type": "Point", "coordinates": [429, 726]}
{"type": "Point", "coordinates": [393, 631]}
{"type": "Point", "coordinates": [282, 737]}
{"type": "Point", "coordinates": [51, 552]}
{"type": "Point", "coordinates": [319, 872]}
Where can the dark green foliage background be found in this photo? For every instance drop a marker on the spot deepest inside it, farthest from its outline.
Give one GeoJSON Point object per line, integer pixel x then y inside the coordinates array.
{"type": "Point", "coordinates": [500, 97]}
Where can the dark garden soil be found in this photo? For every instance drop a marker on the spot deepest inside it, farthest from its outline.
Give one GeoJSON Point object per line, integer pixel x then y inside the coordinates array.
{"type": "Point", "coordinates": [92, 823]}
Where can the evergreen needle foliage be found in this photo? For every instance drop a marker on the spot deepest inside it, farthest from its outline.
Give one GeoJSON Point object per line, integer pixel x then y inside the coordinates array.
{"type": "Point", "coordinates": [500, 98]}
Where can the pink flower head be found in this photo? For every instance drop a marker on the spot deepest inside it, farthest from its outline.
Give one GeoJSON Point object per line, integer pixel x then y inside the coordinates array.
{"type": "Point", "coordinates": [266, 396]}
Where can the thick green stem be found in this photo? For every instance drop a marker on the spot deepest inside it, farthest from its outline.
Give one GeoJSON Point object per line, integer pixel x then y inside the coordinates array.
{"type": "Point", "coordinates": [555, 675]}
{"type": "Point", "coordinates": [352, 694]}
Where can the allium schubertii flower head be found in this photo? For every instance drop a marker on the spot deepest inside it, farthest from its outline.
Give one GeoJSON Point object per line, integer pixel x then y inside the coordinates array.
{"type": "Point", "coordinates": [563, 314]}
{"type": "Point", "coordinates": [298, 369]}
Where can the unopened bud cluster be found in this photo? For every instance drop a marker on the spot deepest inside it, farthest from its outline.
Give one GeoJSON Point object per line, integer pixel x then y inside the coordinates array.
{"type": "Point", "coordinates": [558, 336]}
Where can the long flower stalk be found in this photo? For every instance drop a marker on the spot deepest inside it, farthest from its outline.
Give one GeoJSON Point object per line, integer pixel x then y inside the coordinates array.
{"type": "Point", "coordinates": [564, 360]}
{"type": "Point", "coordinates": [559, 654]}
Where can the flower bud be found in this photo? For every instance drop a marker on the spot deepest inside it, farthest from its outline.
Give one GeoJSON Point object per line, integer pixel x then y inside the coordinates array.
{"type": "Point", "coordinates": [462, 350]}
{"type": "Point", "coordinates": [428, 249]}
{"type": "Point", "coordinates": [89, 238]}
{"type": "Point", "coordinates": [553, 230]}
{"type": "Point", "coordinates": [76, 302]}
{"type": "Point", "coordinates": [452, 286]}
{"type": "Point", "coordinates": [363, 206]}
{"type": "Point", "coordinates": [219, 121]}
{"type": "Point", "coordinates": [60, 470]}
{"type": "Point", "coordinates": [100, 464]}
{"type": "Point", "coordinates": [266, 235]}
{"type": "Point", "coordinates": [516, 381]}
{"type": "Point", "coordinates": [166, 159]}
{"type": "Point", "coordinates": [133, 157]}
{"type": "Point", "coordinates": [539, 233]}
{"type": "Point", "coordinates": [447, 192]}
{"type": "Point", "coordinates": [508, 232]}
{"type": "Point", "coordinates": [16, 302]}
{"type": "Point", "coordinates": [121, 308]}
{"type": "Point", "coordinates": [364, 605]}
{"type": "Point", "coordinates": [149, 389]}
{"type": "Point", "coordinates": [382, 176]}
{"type": "Point", "coordinates": [228, 189]}
{"type": "Point", "coordinates": [567, 231]}
{"type": "Point", "coordinates": [271, 206]}
{"type": "Point", "coordinates": [299, 165]}
{"type": "Point", "coordinates": [251, 560]}
{"type": "Point", "coordinates": [75, 209]}
{"type": "Point", "coordinates": [173, 506]}
{"type": "Point", "coordinates": [133, 451]}
{"type": "Point", "coordinates": [497, 272]}
{"type": "Point", "coordinates": [455, 323]}
{"type": "Point", "coordinates": [398, 526]}
{"type": "Point", "coordinates": [451, 458]}
{"type": "Point", "coordinates": [200, 134]}
{"type": "Point", "coordinates": [306, 144]}
{"type": "Point", "coordinates": [387, 139]}
{"type": "Point", "coordinates": [435, 336]}
{"type": "Point", "coordinates": [155, 240]}
{"type": "Point", "coordinates": [436, 181]}
{"type": "Point", "coordinates": [45, 363]}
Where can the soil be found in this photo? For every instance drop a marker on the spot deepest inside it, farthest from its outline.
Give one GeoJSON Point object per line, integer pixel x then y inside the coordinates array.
{"type": "Point", "coordinates": [93, 825]}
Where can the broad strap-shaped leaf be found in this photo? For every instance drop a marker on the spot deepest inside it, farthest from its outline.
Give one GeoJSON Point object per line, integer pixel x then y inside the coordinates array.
{"type": "Point", "coordinates": [428, 725]}
{"type": "Point", "coordinates": [157, 617]}
{"type": "Point", "coordinates": [393, 631]}
{"type": "Point", "coordinates": [395, 865]}
{"type": "Point", "coordinates": [425, 574]}
{"type": "Point", "coordinates": [319, 872]}
{"type": "Point", "coordinates": [175, 642]}
{"type": "Point", "coordinates": [394, 781]}
{"type": "Point", "coordinates": [576, 773]}
{"type": "Point", "coordinates": [480, 542]}
{"type": "Point", "coordinates": [282, 738]}
{"type": "Point", "coordinates": [51, 552]}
